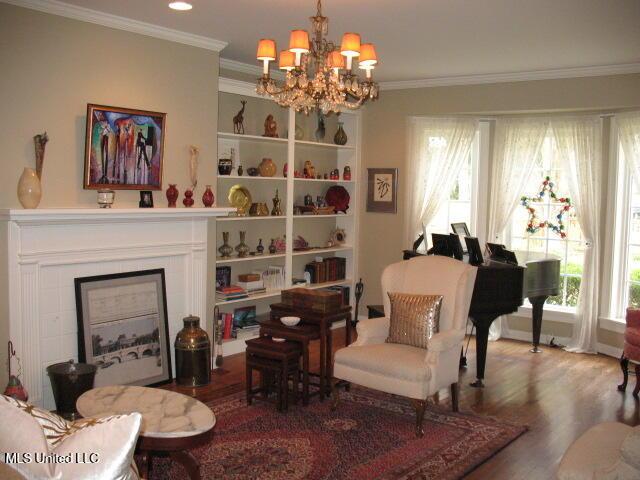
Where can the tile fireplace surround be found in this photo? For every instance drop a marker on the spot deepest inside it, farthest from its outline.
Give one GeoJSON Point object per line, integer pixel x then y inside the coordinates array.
{"type": "Point", "coordinates": [47, 248]}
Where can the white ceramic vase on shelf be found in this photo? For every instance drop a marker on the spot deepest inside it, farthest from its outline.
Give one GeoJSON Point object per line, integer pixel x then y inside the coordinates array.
{"type": "Point", "coordinates": [29, 188]}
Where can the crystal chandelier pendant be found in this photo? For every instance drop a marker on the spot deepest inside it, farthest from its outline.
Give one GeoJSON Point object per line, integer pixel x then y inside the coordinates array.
{"type": "Point", "coordinates": [319, 73]}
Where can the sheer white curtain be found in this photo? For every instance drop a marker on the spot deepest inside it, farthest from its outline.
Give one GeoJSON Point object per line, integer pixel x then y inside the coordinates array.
{"type": "Point", "coordinates": [629, 133]}
{"type": "Point", "coordinates": [579, 144]}
{"type": "Point", "coordinates": [438, 149]}
{"type": "Point", "coordinates": [516, 147]}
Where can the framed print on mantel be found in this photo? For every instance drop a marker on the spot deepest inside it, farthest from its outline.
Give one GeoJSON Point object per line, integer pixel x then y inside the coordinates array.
{"type": "Point", "coordinates": [123, 327]}
{"type": "Point", "coordinates": [124, 148]}
{"type": "Point", "coordinates": [382, 190]}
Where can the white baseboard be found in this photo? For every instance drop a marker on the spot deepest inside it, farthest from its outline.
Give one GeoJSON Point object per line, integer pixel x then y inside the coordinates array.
{"type": "Point", "coordinates": [523, 336]}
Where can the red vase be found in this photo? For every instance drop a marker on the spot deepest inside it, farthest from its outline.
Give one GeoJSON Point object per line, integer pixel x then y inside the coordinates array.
{"type": "Point", "coordinates": [172, 195]}
{"type": "Point", "coordinates": [207, 197]}
{"type": "Point", "coordinates": [188, 198]}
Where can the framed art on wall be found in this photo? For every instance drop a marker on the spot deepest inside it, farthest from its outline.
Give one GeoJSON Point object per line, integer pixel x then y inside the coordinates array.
{"type": "Point", "coordinates": [123, 149]}
{"type": "Point", "coordinates": [382, 190]}
{"type": "Point", "coordinates": [123, 327]}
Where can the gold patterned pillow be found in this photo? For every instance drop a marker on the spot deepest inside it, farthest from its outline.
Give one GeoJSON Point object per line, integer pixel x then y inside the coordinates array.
{"type": "Point", "coordinates": [414, 318]}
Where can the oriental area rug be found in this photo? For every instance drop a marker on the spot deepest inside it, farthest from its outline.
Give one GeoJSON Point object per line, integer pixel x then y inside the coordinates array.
{"type": "Point", "coordinates": [370, 435]}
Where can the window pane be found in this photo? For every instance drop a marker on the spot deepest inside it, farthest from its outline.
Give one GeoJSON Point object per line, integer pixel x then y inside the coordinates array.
{"type": "Point", "coordinates": [634, 295]}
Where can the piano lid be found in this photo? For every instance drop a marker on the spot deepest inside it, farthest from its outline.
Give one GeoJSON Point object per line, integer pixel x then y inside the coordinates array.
{"type": "Point", "coordinates": [530, 257]}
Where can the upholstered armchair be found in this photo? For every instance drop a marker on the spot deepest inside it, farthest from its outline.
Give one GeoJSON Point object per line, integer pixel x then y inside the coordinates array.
{"type": "Point", "coordinates": [406, 370]}
{"type": "Point", "coordinates": [631, 351]}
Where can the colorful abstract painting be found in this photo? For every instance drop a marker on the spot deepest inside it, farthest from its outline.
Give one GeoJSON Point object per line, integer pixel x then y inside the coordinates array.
{"type": "Point", "coordinates": [124, 148]}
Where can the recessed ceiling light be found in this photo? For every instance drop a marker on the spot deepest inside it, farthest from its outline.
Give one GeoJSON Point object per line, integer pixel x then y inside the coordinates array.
{"type": "Point", "coordinates": [182, 6]}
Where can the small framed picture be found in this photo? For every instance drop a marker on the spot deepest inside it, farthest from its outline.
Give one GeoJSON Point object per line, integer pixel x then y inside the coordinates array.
{"type": "Point", "coordinates": [124, 148]}
{"type": "Point", "coordinates": [146, 199]}
{"type": "Point", "coordinates": [123, 327]}
{"type": "Point", "coordinates": [382, 190]}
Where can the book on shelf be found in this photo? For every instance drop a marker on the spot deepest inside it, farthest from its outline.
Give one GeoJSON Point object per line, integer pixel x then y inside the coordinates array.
{"type": "Point", "coordinates": [344, 290]}
{"type": "Point", "coordinates": [327, 270]}
{"type": "Point", "coordinates": [228, 324]}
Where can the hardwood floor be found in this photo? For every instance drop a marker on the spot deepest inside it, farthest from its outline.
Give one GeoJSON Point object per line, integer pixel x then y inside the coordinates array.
{"type": "Point", "coordinates": [557, 394]}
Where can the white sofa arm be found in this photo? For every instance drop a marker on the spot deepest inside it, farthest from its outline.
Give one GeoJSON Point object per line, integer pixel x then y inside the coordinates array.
{"type": "Point", "coordinates": [372, 331]}
{"type": "Point", "coordinates": [446, 340]}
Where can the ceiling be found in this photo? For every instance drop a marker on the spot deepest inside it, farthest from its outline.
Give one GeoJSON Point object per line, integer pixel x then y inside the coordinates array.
{"type": "Point", "coordinates": [418, 39]}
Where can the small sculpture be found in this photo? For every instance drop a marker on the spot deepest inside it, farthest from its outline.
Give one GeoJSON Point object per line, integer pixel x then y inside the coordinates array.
{"type": "Point", "coordinates": [270, 127]}
{"type": "Point", "coordinates": [260, 248]}
{"type": "Point", "coordinates": [238, 120]}
{"type": "Point", "coordinates": [272, 246]}
{"type": "Point", "coordinates": [172, 195]}
{"type": "Point", "coordinates": [309, 169]}
{"type": "Point", "coordinates": [40, 142]}
{"type": "Point", "coordinates": [321, 130]}
{"type": "Point", "coordinates": [188, 201]}
{"type": "Point", "coordinates": [300, 243]}
{"type": "Point", "coordinates": [277, 209]}
{"type": "Point", "coordinates": [193, 166]}
{"type": "Point", "coordinates": [207, 197]}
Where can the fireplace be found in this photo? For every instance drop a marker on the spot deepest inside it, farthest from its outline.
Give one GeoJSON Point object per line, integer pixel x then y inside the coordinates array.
{"type": "Point", "coordinates": [48, 248]}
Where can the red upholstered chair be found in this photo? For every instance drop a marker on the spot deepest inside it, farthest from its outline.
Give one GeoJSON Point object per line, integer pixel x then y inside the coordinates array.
{"type": "Point", "coordinates": [631, 350]}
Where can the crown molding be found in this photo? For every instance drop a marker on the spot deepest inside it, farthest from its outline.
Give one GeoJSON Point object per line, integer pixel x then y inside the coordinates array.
{"type": "Point", "coordinates": [594, 71]}
{"type": "Point", "coordinates": [242, 67]}
{"type": "Point", "coordinates": [75, 12]}
{"type": "Point", "coordinates": [239, 87]}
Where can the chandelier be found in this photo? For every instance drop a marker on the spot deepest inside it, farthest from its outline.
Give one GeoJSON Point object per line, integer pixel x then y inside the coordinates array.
{"type": "Point", "coordinates": [318, 74]}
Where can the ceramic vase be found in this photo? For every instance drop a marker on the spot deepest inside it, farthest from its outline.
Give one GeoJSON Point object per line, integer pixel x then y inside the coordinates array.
{"type": "Point", "coordinates": [260, 248]}
{"type": "Point", "coordinates": [187, 201]}
{"type": "Point", "coordinates": [267, 168]}
{"type": "Point", "coordinates": [272, 246]}
{"type": "Point", "coordinates": [242, 248]}
{"type": "Point", "coordinates": [225, 249]}
{"type": "Point", "coordinates": [29, 188]}
{"type": "Point", "coordinates": [208, 197]}
{"type": "Point", "coordinates": [172, 195]}
{"type": "Point", "coordinates": [340, 138]}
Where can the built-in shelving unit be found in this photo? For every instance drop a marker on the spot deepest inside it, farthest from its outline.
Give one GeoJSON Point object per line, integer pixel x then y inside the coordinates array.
{"type": "Point", "coordinates": [326, 156]}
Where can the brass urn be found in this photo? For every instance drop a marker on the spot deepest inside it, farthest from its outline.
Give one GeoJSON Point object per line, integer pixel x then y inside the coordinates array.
{"type": "Point", "coordinates": [193, 354]}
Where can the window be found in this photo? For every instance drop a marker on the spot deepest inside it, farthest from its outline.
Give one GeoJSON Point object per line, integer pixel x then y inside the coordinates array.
{"type": "Point", "coordinates": [459, 207]}
{"type": "Point", "coordinates": [545, 241]}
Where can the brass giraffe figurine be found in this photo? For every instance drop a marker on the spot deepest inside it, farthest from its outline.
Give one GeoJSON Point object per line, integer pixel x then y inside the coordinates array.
{"type": "Point", "coordinates": [238, 120]}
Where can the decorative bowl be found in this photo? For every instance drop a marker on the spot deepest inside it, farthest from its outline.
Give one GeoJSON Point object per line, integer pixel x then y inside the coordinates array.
{"type": "Point", "coordinates": [290, 321]}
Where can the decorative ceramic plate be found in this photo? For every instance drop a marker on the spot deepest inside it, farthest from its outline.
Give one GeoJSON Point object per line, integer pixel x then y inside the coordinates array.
{"type": "Point", "coordinates": [240, 198]}
{"type": "Point", "coordinates": [338, 197]}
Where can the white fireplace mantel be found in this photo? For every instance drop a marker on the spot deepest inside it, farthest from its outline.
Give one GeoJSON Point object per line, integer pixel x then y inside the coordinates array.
{"type": "Point", "coordinates": [46, 249]}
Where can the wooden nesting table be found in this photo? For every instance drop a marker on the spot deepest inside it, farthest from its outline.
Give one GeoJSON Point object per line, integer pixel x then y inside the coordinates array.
{"type": "Point", "coordinates": [313, 325]}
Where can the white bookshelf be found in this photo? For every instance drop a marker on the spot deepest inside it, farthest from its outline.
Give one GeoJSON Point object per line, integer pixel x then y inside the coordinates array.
{"type": "Point", "coordinates": [325, 156]}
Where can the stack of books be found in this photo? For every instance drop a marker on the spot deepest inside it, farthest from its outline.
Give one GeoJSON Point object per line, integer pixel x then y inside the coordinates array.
{"type": "Point", "coordinates": [328, 270]}
{"type": "Point", "coordinates": [253, 288]}
{"type": "Point", "coordinates": [232, 292]}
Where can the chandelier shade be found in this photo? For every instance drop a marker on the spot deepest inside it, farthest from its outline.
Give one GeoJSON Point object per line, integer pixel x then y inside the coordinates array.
{"type": "Point", "coordinates": [299, 41]}
{"type": "Point", "coordinates": [287, 60]}
{"type": "Point", "coordinates": [266, 50]}
{"type": "Point", "coordinates": [318, 71]}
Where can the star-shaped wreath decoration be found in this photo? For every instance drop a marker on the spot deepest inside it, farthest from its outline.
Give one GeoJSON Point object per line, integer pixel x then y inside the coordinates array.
{"type": "Point", "coordinates": [535, 224]}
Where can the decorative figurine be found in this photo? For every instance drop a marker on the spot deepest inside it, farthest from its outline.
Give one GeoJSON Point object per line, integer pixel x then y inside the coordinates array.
{"type": "Point", "coordinates": [308, 200]}
{"type": "Point", "coordinates": [320, 201]}
{"type": "Point", "coordinates": [277, 209]}
{"type": "Point", "coordinates": [285, 170]}
{"type": "Point", "coordinates": [272, 247]}
{"type": "Point", "coordinates": [207, 197]}
{"type": "Point", "coordinates": [270, 127]}
{"type": "Point", "coordinates": [267, 168]}
{"type": "Point", "coordinates": [242, 248]}
{"type": "Point", "coordinates": [253, 172]}
{"type": "Point", "coordinates": [240, 170]}
{"type": "Point", "coordinates": [340, 138]}
{"type": "Point", "coordinates": [225, 249]}
{"type": "Point", "coordinates": [309, 169]}
{"type": "Point", "coordinates": [194, 152]}
{"type": "Point", "coordinates": [217, 318]}
{"type": "Point", "coordinates": [346, 174]}
{"type": "Point", "coordinates": [321, 130]}
{"type": "Point", "coordinates": [172, 195]}
{"type": "Point", "coordinates": [40, 142]}
{"type": "Point", "coordinates": [187, 201]}
{"type": "Point", "coordinates": [224, 166]}
{"type": "Point", "coordinates": [326, 176]}
{"type": "Point", "coordinates": [338, 236]}
{"type": "Point", "coordinates": [260, 248]}
{"type": "Point", "coordinates": [238, 120]}
{"type": "Point", "coordinates": [300, 244]}
{"type": "Point", "coordinates": [335, 174]}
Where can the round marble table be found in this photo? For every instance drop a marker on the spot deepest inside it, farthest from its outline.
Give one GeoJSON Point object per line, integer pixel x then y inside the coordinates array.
{"type": "Point", "coordinates": [171, 422]}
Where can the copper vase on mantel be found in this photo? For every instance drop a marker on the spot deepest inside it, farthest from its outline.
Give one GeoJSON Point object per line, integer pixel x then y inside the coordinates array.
{"type": "Point", "coordinates": [207, 197]}
{"type": "Point", "coordinates": [172, 195]}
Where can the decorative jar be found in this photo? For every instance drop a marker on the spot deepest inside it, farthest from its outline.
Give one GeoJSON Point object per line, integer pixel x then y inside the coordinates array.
{"type": "Point", "coordinates": [193, 354]}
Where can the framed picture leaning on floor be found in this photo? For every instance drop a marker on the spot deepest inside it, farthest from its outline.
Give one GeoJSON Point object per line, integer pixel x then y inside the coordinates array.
{"type": "Point", "coordinates": [123, 327]}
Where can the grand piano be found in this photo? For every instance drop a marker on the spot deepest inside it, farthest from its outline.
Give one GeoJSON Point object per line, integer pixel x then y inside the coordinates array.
{"type": "Point", "coordinates": [501, 288]}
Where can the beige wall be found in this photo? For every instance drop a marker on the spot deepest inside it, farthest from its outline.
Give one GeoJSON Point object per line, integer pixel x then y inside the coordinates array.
{"type": "Point", "coordinates": [51, 67]}
{"type": "Point", "coordinates": [385, 141]}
